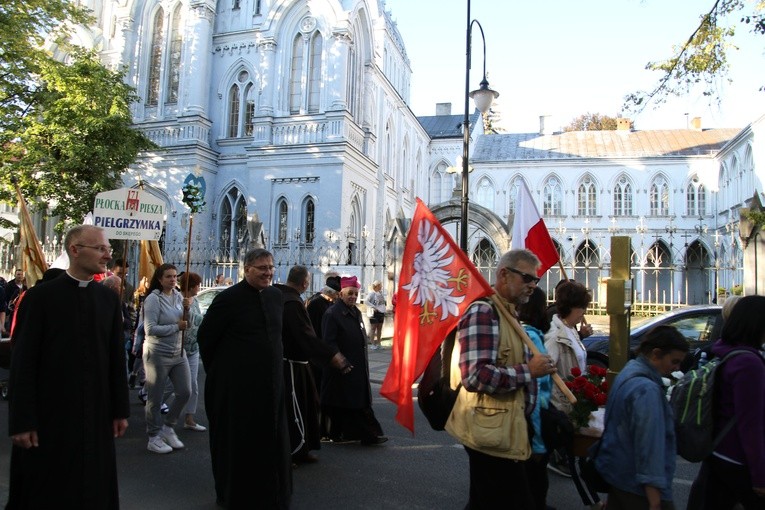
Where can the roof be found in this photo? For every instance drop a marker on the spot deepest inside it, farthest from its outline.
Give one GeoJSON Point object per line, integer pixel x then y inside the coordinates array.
{"type": "Point", "coordinates": [446, 126]}
{"type": "Point", "coordinates": [601, 144]}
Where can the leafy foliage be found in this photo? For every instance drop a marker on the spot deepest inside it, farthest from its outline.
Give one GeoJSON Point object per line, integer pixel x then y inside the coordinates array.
{"type": "Point", "coordinates": [592, 122]}
{"type": "Point", "coordinates": [192, 197]}
{"type": "Point", "coordinates": [702, 59]}
{"type": "Point", "coordinates": [74, 138]}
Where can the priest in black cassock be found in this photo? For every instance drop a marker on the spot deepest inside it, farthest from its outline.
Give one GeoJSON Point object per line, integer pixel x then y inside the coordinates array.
{"type": "Point", "coordinates": [68, 387]}
{"type": "Point", "coordinates": [300, 346]}
{"type": "Point", "coordinates": [240, 342]}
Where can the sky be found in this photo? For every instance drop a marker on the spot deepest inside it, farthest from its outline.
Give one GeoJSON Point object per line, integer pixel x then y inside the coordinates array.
{"type": "Point", "coordinates": [564, 58]}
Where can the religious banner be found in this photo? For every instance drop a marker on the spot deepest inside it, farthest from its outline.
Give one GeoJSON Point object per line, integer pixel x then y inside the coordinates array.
{"type": "Point", "coordinates": [32, 258]}
{"type": "Point", "coordinates": [130, 214]}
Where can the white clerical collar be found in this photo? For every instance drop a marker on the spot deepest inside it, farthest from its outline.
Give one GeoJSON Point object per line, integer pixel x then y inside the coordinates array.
{"type": "Point", "coordinates": [80, 283]}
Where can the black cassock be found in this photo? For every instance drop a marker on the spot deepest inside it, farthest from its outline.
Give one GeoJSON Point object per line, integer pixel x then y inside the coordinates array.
{"type": "Point", "coordinates": [68, 383]}
{"type": "Point", "coordinates": [240, 346]}
{"type": "Point", "coordinates": [301, 345]}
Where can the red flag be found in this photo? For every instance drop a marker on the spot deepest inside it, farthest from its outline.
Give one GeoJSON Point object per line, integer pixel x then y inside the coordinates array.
{"type": "Point", "coordinates": [32, 258]}
{"type": "Point", "coordinates": [530, 231]}
{"type": "Point", "coordinates": [436, 285]}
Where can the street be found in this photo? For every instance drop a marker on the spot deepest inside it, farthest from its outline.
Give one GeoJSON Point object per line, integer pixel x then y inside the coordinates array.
{"type": "Point", "coordinates": [424, 471]}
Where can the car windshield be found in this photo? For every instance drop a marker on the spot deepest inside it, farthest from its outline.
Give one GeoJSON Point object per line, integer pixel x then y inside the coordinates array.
{"type": "Point", "coordinates": [696, 327]}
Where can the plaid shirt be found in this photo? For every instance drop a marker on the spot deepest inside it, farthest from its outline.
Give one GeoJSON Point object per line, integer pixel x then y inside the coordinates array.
{"type": "Point", "coordinates": [478, 335]}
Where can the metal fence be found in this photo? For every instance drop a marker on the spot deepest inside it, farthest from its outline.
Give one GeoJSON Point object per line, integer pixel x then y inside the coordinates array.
{"type": "Point", "coordinates": [664, 276]}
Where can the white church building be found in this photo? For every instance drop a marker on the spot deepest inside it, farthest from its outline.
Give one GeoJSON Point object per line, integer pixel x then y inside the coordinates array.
{"type": "Point", "coordinates": [293, 116]}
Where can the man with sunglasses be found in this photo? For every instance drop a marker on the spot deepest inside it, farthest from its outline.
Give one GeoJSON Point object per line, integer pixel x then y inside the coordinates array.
{"type": "Point", "coordinates": [497, 370]}
{"type": "Point", "coordinates": [240, 343]}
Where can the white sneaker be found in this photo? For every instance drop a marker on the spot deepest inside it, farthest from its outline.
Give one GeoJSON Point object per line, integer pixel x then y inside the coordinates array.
{"type": "Point", "coordinates": [168, 435]}
{"type": "Point", "coordinates": [156, 445]}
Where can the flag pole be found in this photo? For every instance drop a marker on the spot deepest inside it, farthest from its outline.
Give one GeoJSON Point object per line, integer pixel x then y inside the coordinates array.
{"type": "Point", "coordinates": [530, 344]}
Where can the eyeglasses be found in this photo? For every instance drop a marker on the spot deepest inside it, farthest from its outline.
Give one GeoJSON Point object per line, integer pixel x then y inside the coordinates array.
{"type": "Point", "coordinates": [264, 268]}
{"type": "Point", "coordinates": [101, 248]}
{"type": "Point", "coordinates": [527, 278]}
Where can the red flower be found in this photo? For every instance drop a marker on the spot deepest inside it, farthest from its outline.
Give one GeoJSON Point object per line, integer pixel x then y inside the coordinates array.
{"type": "Point", "coordinates": [579, 383]}
{"type": "Point", "coordinates": [590, 390]}
{"type": "Point", "coordinates": [604, 386]}
{"type": "Point", "coordinates": [576, 371]}
{"type": "Point", "coordinates": [600, 399]}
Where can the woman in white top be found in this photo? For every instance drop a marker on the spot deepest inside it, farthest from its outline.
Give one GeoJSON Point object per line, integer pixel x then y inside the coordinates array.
{"type": "Point", "coordinates": [376, 312]}
{"type": "Point", "coordinates": [562, 339]}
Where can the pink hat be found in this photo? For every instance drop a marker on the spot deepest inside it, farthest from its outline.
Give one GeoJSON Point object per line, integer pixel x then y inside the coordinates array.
{"type": "Point", "coordinates": [349, 281]}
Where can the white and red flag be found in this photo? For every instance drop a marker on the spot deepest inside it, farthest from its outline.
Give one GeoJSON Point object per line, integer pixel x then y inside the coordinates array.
{"type": "Point", "coordinates": [436, 285]}
{"type": "Point", "coordinates": [530, 231]}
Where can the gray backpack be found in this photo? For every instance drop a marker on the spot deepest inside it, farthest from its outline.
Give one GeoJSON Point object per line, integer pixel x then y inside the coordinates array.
{"type": "Point", "coordinates": [692, 404]}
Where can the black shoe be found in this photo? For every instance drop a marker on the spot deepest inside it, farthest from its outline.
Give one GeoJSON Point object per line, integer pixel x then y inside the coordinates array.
{"type": "Point", "coordinates": [131, 381]}
{"type": "Point", "coordinates": [142, 397]}
{"type": "Point", "coordinates": [374, 440]}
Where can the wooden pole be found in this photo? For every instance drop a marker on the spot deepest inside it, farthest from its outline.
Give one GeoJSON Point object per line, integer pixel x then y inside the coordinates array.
{"type": "Point", "coordinates": [185, 281]}
{"type": "Point", "coordinates": [530, 344]}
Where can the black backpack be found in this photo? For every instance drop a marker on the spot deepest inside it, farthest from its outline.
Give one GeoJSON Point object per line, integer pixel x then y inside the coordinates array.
{"type": "Point", "coordinates": [434, 393]}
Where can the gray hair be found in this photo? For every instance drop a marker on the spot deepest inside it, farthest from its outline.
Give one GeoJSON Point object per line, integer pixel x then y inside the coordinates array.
{"type": "Point", "coordinates": [513, 257]}
{"type": "Point", "coordinates": [256, 254]}
{"type": "Point", "coordinates": [113, 282]}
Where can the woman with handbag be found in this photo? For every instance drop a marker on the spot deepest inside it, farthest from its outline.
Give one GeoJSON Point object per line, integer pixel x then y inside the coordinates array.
{"type": "Point", "coordinates": [637, 452]}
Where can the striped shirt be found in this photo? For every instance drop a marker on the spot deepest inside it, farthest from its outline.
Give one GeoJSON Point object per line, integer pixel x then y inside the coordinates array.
{"type": "Point", "coordinates": [478, 335]}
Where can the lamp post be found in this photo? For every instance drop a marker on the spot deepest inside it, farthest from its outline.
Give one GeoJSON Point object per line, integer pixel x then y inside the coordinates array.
{"type": "Point", "coordinates": [483, 98]}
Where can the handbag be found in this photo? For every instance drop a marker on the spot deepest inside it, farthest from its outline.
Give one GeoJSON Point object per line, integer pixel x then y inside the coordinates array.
{"type": "Point", "coordinates": [557, 429]}
{"type": "Point", "coordinates": [590, 474]}
{"type": "Point", "coordinates": [370, 311]}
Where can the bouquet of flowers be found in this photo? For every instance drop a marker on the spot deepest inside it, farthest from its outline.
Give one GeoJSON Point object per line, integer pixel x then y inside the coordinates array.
{"type": "Point", "coordinates": [590, 391]}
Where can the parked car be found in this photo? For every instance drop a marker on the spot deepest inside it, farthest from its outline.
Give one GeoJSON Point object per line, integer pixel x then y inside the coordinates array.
{"type": "Point", "coordinates": [700, 324]}
{"type": "Point", "coordinates": [206, 296]}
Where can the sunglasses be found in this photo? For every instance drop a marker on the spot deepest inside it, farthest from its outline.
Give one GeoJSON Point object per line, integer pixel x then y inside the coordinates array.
{"type": "Point", "coordinates": [527, 278]}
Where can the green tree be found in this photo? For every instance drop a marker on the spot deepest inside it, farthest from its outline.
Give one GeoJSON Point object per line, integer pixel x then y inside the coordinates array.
{"type": "Point", "coordinates": [703, 58]}
{"type": "Point", "coordinates": [592, 122]}
{"type": "Point", "coordinates": [65, 128]}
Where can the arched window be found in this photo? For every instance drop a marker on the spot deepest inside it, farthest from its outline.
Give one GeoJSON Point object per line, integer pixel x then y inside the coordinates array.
{"type": "Point", "coordinates": [241, 108]}
{"type": "Point", "coordinates": [586, 197]}
{"type": "Point", "coordinates": [659, 197]}
{"type": "Point", "coordinates": [441, 184]}
{"type": "Point", "coordinates": [389, 162]}
{"type": "Point", "coordinates": [553, 197]}
{"type": "Point", "coordinates": [484, 194]}
{"type": "Point", "coordinates": [155, 58]}
{"type": "Point", "coordinates": [305, 73]}
{"type": "Point", "coordinates": [695, 198]}
{"type": "Point", "coordinates": [282, 217]}
{"type": "Point", "coordinates": [165, 57]}
{"type": "Point", "coordinates": [309, 223]}
{"type": "Point", "coordinates": [234, 234]}
{"type": "Point", "coordinates": [623, 197]}
{"type": "Point", "coordinates": [512, 195]}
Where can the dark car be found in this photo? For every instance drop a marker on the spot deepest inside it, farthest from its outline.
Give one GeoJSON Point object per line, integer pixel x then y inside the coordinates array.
{"type": "Point", "coordinates": [700, 324]}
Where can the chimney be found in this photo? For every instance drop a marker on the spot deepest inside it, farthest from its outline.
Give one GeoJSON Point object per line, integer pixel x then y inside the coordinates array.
{"type": "Point", "coordinates": [623, 124]}
{"type": "Point", "coordinates": [545, 125]}
{"type": "Point", "coordinates": [443, 108]}
{"type": "Point", "coordinates": [696, 124]}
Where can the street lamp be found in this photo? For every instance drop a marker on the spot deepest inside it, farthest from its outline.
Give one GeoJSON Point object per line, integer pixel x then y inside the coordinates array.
{"type": "Point", "coordinates": [483, 98]}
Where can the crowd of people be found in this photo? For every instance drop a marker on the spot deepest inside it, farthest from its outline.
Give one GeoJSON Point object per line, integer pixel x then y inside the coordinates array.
{"type": "Point", "coordinates": [309, 362]}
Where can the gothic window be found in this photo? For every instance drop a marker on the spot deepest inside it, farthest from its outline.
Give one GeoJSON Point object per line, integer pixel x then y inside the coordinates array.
{"type": "Point", "coordinates": [553, 197]}
{"type": "Point", "coordinates": [305, 74]}
{"type": "Point", "coordinates": [241, 108]}
{"type": "Point", "coordinates": [234, 234]}
{"type": "Point", "coordinates": [659, 197]}
{"type": "Point", "coordinates": [155, 58]}
{"type": "Point", "coordinates": [586, 197]}
{"type": "Point", "coordinates": [389, 162]}
{"type": "Point", "coordinates": [485, 193]}
{"type": "Point", "coordinates": [174, 65]}
{"type": "Point", "coordinates": [165, 58]}
{"type": "Point", "coordinates": [309, 225]}
{"type": "Point", "coordinates": [623, 197]}
{"type": "Point", "coordinates": [515, 186]}
{"type": "Point", "coordinates": [695, 198]}
{"type": "Point", "coordinates": [282, 216]}
{"type": "Point", "coordinates": [441, 184]}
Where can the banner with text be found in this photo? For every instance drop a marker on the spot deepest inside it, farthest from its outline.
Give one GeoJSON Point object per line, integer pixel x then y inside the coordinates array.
{"type": "Point", "coordinates": [128, 213]}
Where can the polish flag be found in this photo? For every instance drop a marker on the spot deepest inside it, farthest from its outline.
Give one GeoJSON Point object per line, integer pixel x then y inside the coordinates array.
{"type": "Point", "coordinates": [530, 232]}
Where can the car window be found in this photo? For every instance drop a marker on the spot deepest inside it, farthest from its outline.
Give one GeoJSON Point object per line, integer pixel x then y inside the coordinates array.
{"type": "Point", "coordinates": [205, 299]}
{"type": "Point", "coordinates": [696, 329]}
